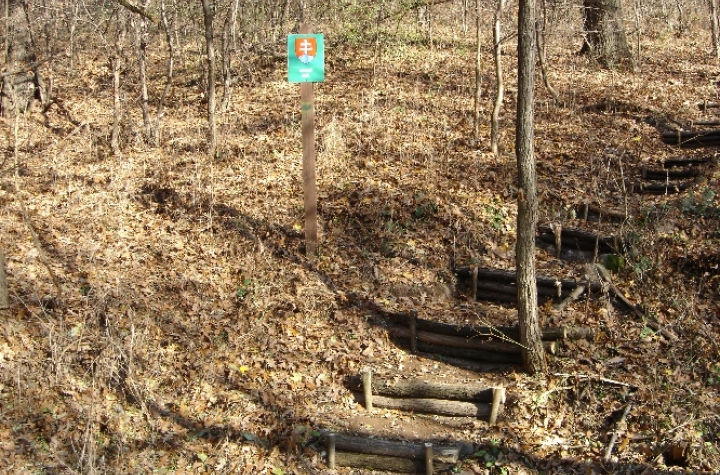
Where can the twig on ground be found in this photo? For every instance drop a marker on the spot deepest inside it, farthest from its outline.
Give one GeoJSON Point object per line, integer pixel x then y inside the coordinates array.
{"type": "Point", "coordinates": [620, 427]}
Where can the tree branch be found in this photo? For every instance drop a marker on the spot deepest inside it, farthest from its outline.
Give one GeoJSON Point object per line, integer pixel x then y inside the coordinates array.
{"type": "Point", "coordinates": [138, 10]}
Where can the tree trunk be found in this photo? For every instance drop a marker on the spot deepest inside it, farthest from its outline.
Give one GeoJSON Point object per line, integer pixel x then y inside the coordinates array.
{"type": "Point", "coordinates": [605, 37]}
{"type": "Point", "coordinates": [116, 63]}
{"type": "Point", "coordinates": [530, 335]}
{"type": "Point", "coordinates": [19, 88]}
{"type": "Point", "coordinates": [715, 27]}
{"type": "Point", "coordinates": [169, 72]}
{"type": "Point", "coordinates": [210, 58]}
{"type": "Point", "coordinates": [141, 33]}
{"type": "Point", "coordinates": [478, 75]}
{"type": "Point", "coordinates": [4, 292]}
{"type": "Point", "coordinates": [441, 407]}
{"type": "Point", "coordinates": [499, 84]}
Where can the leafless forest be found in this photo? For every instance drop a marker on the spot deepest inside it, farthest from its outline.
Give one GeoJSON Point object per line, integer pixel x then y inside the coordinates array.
{"type": "Point", "coordinates": [159, 313]}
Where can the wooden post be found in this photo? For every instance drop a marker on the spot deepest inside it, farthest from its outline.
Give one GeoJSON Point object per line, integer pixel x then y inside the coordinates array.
{"type": "Point", "coordinates": [428, 458]}
{"type": "Point", "coordinates": [309, 179]}
{"type": "Point", "coordinates": [412, 324]}
{"type": "Point", "coordinates": [498, 400]}
{"type": "Point", "coordinates": [367, 388]}
{"type": "Point", "coordinates": [474, 283]}
{"type": "Point", "coordinates": [331, 450]}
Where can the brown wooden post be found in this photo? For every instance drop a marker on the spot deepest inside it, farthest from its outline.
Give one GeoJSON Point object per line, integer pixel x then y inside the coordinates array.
{"type": "Point", "coordinates": [309, 178]}
{"type": "Point", "coordinates": [331, 450]}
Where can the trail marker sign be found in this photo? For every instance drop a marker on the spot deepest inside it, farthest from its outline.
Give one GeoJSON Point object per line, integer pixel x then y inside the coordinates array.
{"type": "Point", "coordinates": [306, 58]}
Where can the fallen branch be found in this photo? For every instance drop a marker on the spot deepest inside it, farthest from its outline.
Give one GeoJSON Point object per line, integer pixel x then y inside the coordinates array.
{"type": "Point", "coordinates": [621, 426]}
{"type": "Point", "coordinates": [596, 378]}
{"type": "Point", "coordinates": [570, 298]}
{"type": "Point", "coordinates": [620, 295]}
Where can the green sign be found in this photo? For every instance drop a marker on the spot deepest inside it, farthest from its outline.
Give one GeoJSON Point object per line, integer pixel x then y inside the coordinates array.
{"type": "Point", "coordinates": [306, 58]}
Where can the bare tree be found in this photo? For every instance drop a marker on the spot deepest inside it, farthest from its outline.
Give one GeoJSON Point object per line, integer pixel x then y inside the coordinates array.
{"type": "Point", "coordinates": [530, 336]}
{"type": "Point", "coordinates": [19, 81]}
{"type": "Point", "coordinates": [141, 41]}
{"type": "Point", "coordinates": [478, 71]}
{"type": "Point", "coordinates": [116, 60]}
{"type": "Point", "coordinates": [4, 293]}
{"type": "Point", "coordinates": [499, 84]}
{"type": "Point", "coordinates": [208, 15]}
{"type": "Point", "coordinates": [715, 27]}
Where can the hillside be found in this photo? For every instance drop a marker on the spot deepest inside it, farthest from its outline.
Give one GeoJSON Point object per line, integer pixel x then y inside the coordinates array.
{"type": "Point", "coordinates": [189, 333]}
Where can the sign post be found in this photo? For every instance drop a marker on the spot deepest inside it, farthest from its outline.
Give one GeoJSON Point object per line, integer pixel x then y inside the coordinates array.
{"type": "Point", "coordinates": [306, 64]}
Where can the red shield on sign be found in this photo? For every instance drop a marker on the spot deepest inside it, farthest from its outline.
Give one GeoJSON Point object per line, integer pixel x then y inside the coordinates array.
{"type": "Point", "coordinates": [305, 49]}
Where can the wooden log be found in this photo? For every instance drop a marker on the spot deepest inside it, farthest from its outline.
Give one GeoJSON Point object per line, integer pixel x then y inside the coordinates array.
{"type": "Point", "coordinates": [581, 239]}
{"type": "Point", "coordinates": [467, 354]}
{"type": "Point", "coordinates": [576, 243]}
{"type": "Point", "coordinates": [367, 389]}
{"type": "Point", "coordinates": [474, 331]}
{"type": "Point", "coordinates": [685, 162]}
{"type": "Point", "coordinates": [501, 346]}
{"type": "Point", "coordinates": [661, 188]}
{"type": "Point", "coordinates": [590, 212]}
{"type": "Point", "coordinates": [414, 388]}
{"type": "Point", "coordinates": [385, 463]}
{"type": "Point", "coordinates": [439, 407]}
{"type": "Point", "coordinates": [685, 139]}
{"type": "Point", "coordinates": [409, 450]}
{"type": "Point", "coordinates": [499, 275]}
{"type": "Point", "coordinates": [668, 173]}
{"type": "Point", "coordinates": [492, 288]}
{"type": "Point", "coordinates": [705, 105]}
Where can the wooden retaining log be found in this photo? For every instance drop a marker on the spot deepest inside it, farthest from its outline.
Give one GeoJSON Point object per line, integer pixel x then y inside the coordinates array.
{"type": "Point", "coordinates": [692, 139]}
{"type": "Point", "coordinates": [414, 388]}
{"type": "Point", "coordinates": [499, 346]}
{"type": "Point", "coordinates": [580, 239]}
{"type": "Point", "coordinates": [475, 331]}
{"type": "Point", "coordinates": [510, 277]}
{"type": "Point", "coordinates": [408, 450]}
{"type": "Point", "coordinates": [386, 463]}
{"type": "Point", "coordinates": [590, 212]}
{"type": "Point", "coordinates": [668, 173]}
{"type": "Point", "coordinates": [465, 353]}
{"type": "Point", "coordinates": [442, 407]}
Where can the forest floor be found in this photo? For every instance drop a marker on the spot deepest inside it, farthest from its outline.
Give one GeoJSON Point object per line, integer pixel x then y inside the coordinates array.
{"type": "Point", "coordinates": [191, 334]}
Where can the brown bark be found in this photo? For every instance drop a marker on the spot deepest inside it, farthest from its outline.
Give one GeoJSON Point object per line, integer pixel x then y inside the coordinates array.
{"type": "Point", "coordinates": [478, 71]}
{"type": "Point", "coordinates": [414, 388]}
{"type": "Point", "coordinates": [715, 27]}
{"type": "Point", "coordinates": [499, 83]}
{"type": "Point", "coordinates": [439, 407]}
{"type": "Point", "coordinates": [530, 337]}
{"type": "Point", "coordinates": [384, 463]}
{"type": "Point", "coordinates": [471, 344]}
{"type": "Point", "coordinates": [18, 88]}
{"type": "Point", "coordinates": [605, 37]}
{"type": "Point", "coordinates": [407, 450]}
